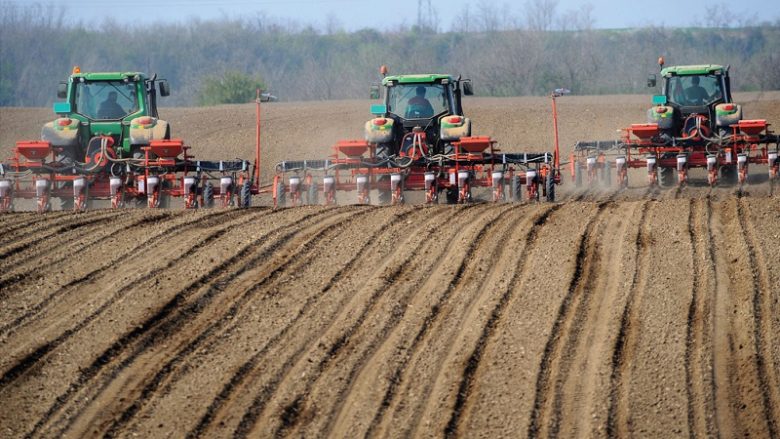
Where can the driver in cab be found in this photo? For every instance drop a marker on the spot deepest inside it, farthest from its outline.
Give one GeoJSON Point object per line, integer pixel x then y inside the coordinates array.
{"type": "Point", "coordinates": [110, 109]}
{"type": "Point", "coordinates": [696, 94]}
{"type": "Point", "coordinates": [419, 106]}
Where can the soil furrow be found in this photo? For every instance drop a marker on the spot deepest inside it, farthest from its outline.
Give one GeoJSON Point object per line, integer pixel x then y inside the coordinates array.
{"type": "Point", "coordinates": [178, 310]}
{"type": "Point", "coordinates": [471, 369]}
{"type": "Point", "coordinates": [740, 381]}
{"type": "Point", "coordinates": [29, 222]}
{"type": "Point", "coordinates": [215, 323]}
{"type": "Point", "coordinates": [582, 373]}
{"type": "Point", "coordinates": [37, 353]}
{"type": "Point", "coordinates": [79, 278]}
{"type": "Point", "coordinates": [397, 376]}
{"type": "Point", "coordinates": [70, 240]}
{"type": "Point", "coordinates": [762, 314]}
{"type": "Point", "coordinates": [58, 255]}
{"type": "Point", "coordinates": [388, 311]}
{"type": "Point", "coordinates": [239, 380]}
{"type": "Point", "coordinates": [10, 222]}
{"type": "Point", "coordinates": [698, 356]}
{"type": "Point", "coordinates": [545, 416]}
{"type": "Point", "coordinates": [617, 416]}
{"type": "Point", "coordinates": [42, 238]}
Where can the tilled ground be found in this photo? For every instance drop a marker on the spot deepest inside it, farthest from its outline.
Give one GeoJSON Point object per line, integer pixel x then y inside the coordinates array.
{"type": "Point", "coordinates": [642, 312]}
{"type": "Point", "coordinates": [655, 318]}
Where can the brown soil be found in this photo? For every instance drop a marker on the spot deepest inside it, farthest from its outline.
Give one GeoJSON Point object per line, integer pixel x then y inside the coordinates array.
{"type": "Point", "coordinates": [634, 313]}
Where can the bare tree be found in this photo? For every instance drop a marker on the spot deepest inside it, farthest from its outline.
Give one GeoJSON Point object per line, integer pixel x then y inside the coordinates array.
{"type": "Point", "coordinates": [540, 14]}
{"type": "Point", "coordinates": [579, 19]}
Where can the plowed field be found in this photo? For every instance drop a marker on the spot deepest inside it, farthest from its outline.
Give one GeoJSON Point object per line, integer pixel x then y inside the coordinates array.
{"type": "Point", "coordinates": [647, 313]}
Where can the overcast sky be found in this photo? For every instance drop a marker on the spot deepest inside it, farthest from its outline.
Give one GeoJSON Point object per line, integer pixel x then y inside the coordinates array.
{"type": "Point", "coordinates": [356, 14]}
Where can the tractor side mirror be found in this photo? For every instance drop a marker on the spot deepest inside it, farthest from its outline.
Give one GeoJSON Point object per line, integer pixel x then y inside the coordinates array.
{"type": "Point", "coordinates": [468, 90]}
{"type": "Point", "coordinates": [62, 90]}
{"type": "Point", "coordinates": [165, 89]}
{"type": "Point", "coordinates": [651, 80]}
{"type": "Point", "coordinates": [374, 93]}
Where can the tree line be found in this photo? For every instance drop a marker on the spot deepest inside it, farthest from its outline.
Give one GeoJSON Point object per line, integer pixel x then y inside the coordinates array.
{"type": "Point", "coordinates": [504, 57]}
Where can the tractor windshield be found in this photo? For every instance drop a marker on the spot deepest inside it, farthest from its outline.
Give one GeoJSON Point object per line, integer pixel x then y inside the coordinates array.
{"type": "Point", "coordinates": [694, 90]}
{"type": "Point", "coordinates": [417, 101]}
{"type": "Point", "coordinates": [106, 100]}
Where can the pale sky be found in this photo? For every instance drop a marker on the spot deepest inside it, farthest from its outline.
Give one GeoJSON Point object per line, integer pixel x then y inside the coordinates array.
{"type": "Point", "coordinates": [356, 14]}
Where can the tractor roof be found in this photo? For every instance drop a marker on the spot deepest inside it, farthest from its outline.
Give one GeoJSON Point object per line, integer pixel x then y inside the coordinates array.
{"type": "Point", "coordinates": [108, 76]}
{"type": "Point", "coordinates": [427, 78]}
{"type": "Point", "coordinates": [700, 69]}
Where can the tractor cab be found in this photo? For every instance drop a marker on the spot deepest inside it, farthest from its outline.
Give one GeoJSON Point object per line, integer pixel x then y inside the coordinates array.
{"type": "Point", "coordinates": [694, 99]}
{"type": "Point", "coordinates": [119, 105]}
{"type": "Point", "coordinates": [422, 114]}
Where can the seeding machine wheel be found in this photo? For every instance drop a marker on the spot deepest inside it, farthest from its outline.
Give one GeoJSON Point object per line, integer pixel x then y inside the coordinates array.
{"type": "Point", "coordinates": [245, 195]}
{"type": "Point", "coordinates": [517, 188]}
{"type": "Point", "coordinates": [550, 187]}
{"type": "Point", "coordinates": [208, 195]}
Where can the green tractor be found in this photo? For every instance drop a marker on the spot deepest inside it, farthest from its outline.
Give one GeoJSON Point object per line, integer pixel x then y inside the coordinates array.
{"type": "Point", "coordinates": [109, 143]}
{"type": "Point", "coordinates": [418, 140]}
{"type": "Point", "coordinates": [693, 123]}
{"type": "Point", "coordinates": [122, 106]}
{"type": "Point", "coordinates": [419, 111]}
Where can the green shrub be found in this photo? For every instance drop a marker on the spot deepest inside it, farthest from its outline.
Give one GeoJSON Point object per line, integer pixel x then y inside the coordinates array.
{"type": "Point", "coordinates": [230, 88]}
